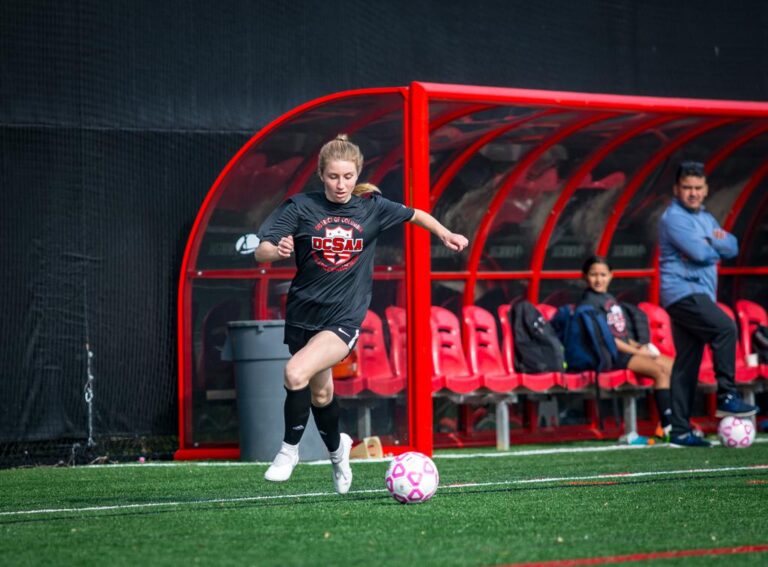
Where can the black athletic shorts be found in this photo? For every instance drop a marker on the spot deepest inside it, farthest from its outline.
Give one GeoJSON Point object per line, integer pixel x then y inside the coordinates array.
{"type": "Point", "coordinates": [297, 338]}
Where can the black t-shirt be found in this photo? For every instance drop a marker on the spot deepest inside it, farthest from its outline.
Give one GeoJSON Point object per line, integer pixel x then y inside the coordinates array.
{"type": "Point", "coordinates": [334, 246]}
{"type": "Point", "coordinates": [614, 314]}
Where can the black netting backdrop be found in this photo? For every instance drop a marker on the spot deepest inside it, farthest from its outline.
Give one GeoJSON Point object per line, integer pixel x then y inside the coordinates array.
{"type": "Point", "coordinates": [116, 117]}
{"type": "Point", "coordinates": [91, 251]}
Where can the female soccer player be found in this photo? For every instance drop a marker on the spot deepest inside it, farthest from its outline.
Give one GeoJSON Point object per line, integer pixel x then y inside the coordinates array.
{"type": "Point", "coordinates": [641, 359]}
{"type": "Point", "coordinates": [333, 235]}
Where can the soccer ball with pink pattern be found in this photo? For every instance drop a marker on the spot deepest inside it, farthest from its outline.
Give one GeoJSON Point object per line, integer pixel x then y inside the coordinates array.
{"type": "Point", "coordinates": [412, 478]}
{"type": "Point", "coordinates": [736, 432]}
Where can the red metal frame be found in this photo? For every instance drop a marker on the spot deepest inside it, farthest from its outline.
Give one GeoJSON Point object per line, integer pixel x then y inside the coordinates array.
{"type": "Point", "coordinates": [417, 99]}
{"type": "Point", "coordinates": [419, 297]}
{"type": "Point", "coordinates": [595, 101]}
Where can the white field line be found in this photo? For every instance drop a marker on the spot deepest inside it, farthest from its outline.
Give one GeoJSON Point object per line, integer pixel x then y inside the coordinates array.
{"type": "Point", "coordinates": [484, 455]}
{"type": "Point", "coordinates": [598, 477]}
{"type": "Point", "coordinates": [565, 450]}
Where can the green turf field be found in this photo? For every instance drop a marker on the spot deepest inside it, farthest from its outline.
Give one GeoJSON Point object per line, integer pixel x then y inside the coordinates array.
{"type": "Point", "coordinates": [531, 504]}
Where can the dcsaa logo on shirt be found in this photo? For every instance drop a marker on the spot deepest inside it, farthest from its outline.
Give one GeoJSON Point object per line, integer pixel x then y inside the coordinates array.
{"type": "Point", "coordinates": [616, 319]}
{"type": "Point", "coordinates": [338, 245]}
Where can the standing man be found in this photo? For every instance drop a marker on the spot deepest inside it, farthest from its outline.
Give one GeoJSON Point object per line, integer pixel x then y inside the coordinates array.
{"type": "Point", "coordinates": [691, 244]}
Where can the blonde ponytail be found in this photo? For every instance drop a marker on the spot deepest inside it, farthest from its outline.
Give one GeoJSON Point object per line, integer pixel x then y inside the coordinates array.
{"type": "Point", "coordinates": [365, 189]}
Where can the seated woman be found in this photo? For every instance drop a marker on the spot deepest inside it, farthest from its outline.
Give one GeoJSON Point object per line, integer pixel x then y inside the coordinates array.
{"type": "Point", "coordinates": [641, 359]}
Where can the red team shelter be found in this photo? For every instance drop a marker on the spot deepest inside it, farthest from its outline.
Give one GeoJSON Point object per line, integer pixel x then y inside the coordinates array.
{"type": "Point", "coordinates": [537, 180]}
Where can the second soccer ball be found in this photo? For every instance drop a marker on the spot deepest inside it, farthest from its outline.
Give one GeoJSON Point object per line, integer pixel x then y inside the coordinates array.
{"type": "Point", "coordinates": [736, 432]}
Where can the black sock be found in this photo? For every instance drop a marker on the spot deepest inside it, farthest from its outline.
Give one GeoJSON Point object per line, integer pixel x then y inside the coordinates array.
{"type": "Point", "coordinates": [664, 405]}
{"type": "Point", "coordinates": [327, 421]}
{"type": "Point", "coordinates": [296, 414]}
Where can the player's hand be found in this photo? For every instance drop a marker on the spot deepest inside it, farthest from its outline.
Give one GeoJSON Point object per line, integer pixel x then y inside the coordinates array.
{"type": "Point", "coordinates": [719, 233]}
{"type": "Point", "coordinates": [455, 242]}
{"type": "Point", "coordinates": [285, 246]}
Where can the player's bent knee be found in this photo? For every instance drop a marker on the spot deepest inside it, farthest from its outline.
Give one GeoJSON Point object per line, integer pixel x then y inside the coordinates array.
{"type": "Point", "coordinates": [323, 398]}
{"type": "Point", "coordinates": [295, 377]}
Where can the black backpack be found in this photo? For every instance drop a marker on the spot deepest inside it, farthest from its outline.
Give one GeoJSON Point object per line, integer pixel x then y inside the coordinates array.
{"type": "Point", "coordinates": [537, 348]}
{"type": "Point", "coordinates": [637, 323]}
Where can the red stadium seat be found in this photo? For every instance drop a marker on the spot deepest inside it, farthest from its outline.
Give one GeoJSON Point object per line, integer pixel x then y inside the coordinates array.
{"type": "Point", "coordinates": [450, 369]}
{"type": "Point", "coordinates": [547, 310]}
{"type": "Point", "coordinates": [348, 387]}
{"type": "Point", "coordinates": [535, 382]}
{"type": "Point", "coordinates": [372, 362]}
{"type": "Point", "coordinates": [660, 328]}
{"type": "Point", "coordinates": [398, 340]}
{"type": "Point", "coordinates": [622, 379]}
{"type": "Point", "coordinates": [706, 369]}
{"type": "Point", "coordinates": [744, 374]}
{"type": "Point", "coordinates": [349, 384]}
{"type": "Point", "coordinates": [750, 315]}
{"type": "Point", "coordinates": [483, 351]}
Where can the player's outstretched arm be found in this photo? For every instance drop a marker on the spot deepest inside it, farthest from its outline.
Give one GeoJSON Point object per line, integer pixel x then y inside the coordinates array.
{"type": "Point", "coordinates": [268, 252]}
{"type": "Point", "coordinates": [456, 242]}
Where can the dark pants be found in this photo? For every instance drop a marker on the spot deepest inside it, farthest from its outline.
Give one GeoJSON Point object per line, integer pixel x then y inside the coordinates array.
{"type": "Point", "coordinates": [696, 321]}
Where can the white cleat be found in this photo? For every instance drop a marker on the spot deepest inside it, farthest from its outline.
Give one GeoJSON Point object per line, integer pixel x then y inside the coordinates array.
{"type": "Point", "coordinates": [281, 468]}
{"type": "Point", "coordinates": [342, 472]}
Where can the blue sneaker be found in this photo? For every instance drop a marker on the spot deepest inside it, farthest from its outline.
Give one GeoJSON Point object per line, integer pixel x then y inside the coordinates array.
{"type": "Point", "coordinates": [732, 404]}
{"type": "Point", "coordinates": [688, 440]}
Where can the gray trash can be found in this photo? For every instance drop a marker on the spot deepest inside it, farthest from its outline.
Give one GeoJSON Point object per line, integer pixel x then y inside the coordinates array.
{"type": "Point", "coordinates": [256, 348]}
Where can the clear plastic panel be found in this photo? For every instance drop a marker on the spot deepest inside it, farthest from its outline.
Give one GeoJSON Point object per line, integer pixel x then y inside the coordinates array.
{"type": "Point", "coordinates": [284, 162]}
{"type": "Point", "coordinates": [634, 242]}
{"type": "Point", "coordinates": [752, 288]}
{"type": "Point", "coordinates": [559, 292]}
{"type": "Point", "coordinates": [466, 200]}
{"type": "Point", "coordinates": [448, 141]}
{"type": "Point", "coordinates": [214, 418]}
{"type": "Point", "coordinates": [492, 293]}
{"type": "Point", "coordinates": [734, 173]}
{"type": "Point", "coordinates": [751, 228]}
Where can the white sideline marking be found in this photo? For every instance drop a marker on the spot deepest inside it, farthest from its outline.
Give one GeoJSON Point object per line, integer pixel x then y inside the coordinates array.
{"type": "Point", "coordinates": [377, 490]}
{"type": "Point", "coordinates": [488, 455]}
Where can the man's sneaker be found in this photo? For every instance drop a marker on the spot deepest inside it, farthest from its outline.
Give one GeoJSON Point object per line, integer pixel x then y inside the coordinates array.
{"type": "Point", "coordinates": [688, 440]}
{"type": "Point", "coordinates": [281, 468]}
{"type": "Point", "coordinates": [732, 404]}
{"type": "Point", "coordinates": [342, 472]}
